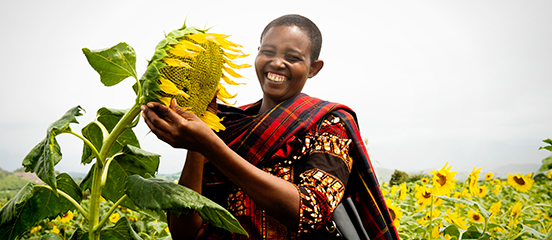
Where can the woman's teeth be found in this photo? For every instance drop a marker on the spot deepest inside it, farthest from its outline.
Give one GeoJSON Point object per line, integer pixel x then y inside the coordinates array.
{"type": "Point", "coordinates": [276, 77]}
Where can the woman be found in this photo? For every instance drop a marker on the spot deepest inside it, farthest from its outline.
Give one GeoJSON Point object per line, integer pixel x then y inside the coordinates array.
{"type": "Point", "coordinates": [283, 163]}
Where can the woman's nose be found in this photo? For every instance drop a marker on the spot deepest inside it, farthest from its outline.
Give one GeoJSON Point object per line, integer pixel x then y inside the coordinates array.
{"type": "Point", "coordinates": [278, 63]}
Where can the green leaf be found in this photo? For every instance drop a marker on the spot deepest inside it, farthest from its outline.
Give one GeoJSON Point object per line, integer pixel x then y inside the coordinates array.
{"type": "Point", "coordinates": [132, 161]}
{"type": "Point", "coordinates": [531, 231]}
{"type": "Point", "coordinates": [79, 234]}
{"type": "Point", "coordinates": [34, 203]}
{"type": "Point", "coordinates": [109, 119]}
{"type": "Point", "coordinates": [452, 230]}
{"type": "Point", "coordinates": [121, 230]}
{"type": "Point", "coordinates": [473, 204]}
{"type": "Point", "coordinates": [113, 64]}
{"type": "Point", "coordinates": [51, 236]}
{"type": "Point", "coordinates": [46, 154]}
{"type": "Point", "coordinates": [161, 195]}
{"type": "Point", "coordinates": [546, 164]}
{"type": "Point", "coordinates": [471, 233]}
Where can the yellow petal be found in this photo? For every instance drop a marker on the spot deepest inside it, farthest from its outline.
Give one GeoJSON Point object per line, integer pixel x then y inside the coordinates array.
{"type": "Point", "coordinates": [176, 63]}
{"type": "Point", "coordinates": [212, 120]}
{"type": "Point", "coordinates": [236, 66]}
{"type": "Point", "coordinates": [229, 81]}
{"type": "Point", "coordinates": [191, 46]}
{"type": "Point", "coordinates": [169, 87]}
{"type": "Point", "coordinates": [165, 100]}
{"type": "Point", "coordinates": [224, 93]}
{"type": "Point", "coordinates": [180, 51]}
{"type": "Point", "coordinates": [233, 56]}
{"type": "Point", "coordinates": [231, 72]}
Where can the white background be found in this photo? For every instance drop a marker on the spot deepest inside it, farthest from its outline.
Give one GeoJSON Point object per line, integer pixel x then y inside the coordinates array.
{"type": "Point", "coordinates": [464, 82]}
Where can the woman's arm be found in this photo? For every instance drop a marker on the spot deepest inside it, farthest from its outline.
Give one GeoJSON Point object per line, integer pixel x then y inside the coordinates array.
{"type": "Point", "coordinates": [187, 226]}
{"type": "Point", "coordinates": [276, 196]}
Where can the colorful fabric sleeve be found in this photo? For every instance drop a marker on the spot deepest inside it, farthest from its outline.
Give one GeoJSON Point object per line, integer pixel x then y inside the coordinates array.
{"type": "Point", "coordinates": [323, 179]}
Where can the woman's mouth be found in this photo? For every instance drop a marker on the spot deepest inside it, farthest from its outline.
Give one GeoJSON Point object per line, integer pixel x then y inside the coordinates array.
{"type": "Point", "coordinates": [276, 77]}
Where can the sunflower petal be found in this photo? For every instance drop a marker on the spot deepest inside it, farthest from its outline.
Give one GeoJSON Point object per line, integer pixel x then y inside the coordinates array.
{"type": "Point", "coordinates": [236, 66]}
{"type": "Point", "coordinates": [231, 72]}
{"type": "Point", "coordinates": [191, 46]}
{"type": "Point", "coordinates": [165, 100]}
{"type": "Point", "coordinates": [212, 120]}
{"type": "Point", "coordinates": [180, 51]}
{"type": "Point", "coordinates": [170, 88]}
{"type": "Point", "coordinates": [233, 56]}
{"type": "Point", "coordinates": [176, 63]}
{"type": "Point", "coordinates": [224, 93]}
{"type": "Point", "coordinates": [229, 81]}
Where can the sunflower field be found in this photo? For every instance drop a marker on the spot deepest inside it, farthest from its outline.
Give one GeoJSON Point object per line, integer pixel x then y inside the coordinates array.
{"type": "Point", "coordinates": [438, 206]}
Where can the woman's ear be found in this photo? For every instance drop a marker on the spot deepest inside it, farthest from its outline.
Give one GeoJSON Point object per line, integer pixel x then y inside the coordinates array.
{"type": "Point", "coordinates": [315, 67]}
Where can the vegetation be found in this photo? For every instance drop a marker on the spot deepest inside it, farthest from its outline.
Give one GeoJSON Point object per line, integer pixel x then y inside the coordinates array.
{"type": "Point", "coordinates": [122, 174]}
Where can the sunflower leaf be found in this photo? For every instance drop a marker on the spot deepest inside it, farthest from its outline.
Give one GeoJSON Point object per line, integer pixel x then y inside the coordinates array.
{"type": "Point", "coordinates": [33, 203]}
{"type": "Point", "coordinates": [108, 118]}
{"type": "Point", "coordinates": [113, 64]}
{"type": "Point", "coordinates": [161, 195]}
{"type": "Point", "coordinates": [471, 203]}
{"type": "Point", "coordinates": [132, 161]}
{"type": "Point", "coordinates": [46, 154]}
{"type": "Point", "coordinates": [121, 230]}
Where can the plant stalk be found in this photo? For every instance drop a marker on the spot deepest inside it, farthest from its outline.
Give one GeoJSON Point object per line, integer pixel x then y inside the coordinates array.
{"type": "Point", "coordinates": [101, 170]}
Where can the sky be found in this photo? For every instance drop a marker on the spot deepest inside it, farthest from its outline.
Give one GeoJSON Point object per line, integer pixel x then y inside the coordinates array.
{"type": "Point", "coordinates": [463, 82]}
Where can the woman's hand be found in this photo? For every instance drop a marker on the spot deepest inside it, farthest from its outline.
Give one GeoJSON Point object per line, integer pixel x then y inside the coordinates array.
{"type": "Point", "coordinates": [178, 128]}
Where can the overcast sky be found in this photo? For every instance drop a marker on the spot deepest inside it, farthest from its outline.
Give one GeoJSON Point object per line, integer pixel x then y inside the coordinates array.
{"type": "Point", "coordinates": [464, 82]}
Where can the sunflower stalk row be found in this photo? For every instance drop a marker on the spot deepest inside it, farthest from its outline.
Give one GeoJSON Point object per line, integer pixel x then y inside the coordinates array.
{"type": "Point", "coordinates": [189, 65]}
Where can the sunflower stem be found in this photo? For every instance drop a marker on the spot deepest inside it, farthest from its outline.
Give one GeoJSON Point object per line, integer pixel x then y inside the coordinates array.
{"type": "Point", "coordinates": [95, 196]}
{"type": "Point", "coordinates": [108, 214]}
{"type": "Point", "coordinates": [88, 143]}
{"type": "Point", "coordinates": [430, 218]}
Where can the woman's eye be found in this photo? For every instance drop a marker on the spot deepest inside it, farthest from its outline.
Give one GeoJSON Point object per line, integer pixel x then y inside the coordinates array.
{"type": "Point", "coordinates": [267, 52]}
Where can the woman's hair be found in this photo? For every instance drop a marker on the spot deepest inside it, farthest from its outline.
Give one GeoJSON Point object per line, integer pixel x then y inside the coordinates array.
{"type": "Point", "coordinates": [304, 24]}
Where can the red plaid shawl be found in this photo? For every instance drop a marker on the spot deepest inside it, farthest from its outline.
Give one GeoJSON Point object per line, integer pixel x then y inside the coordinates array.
{"type": "Point", "coordinates": [268, 136]}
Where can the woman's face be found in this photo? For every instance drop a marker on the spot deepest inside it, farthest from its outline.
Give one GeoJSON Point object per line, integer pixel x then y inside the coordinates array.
{"type": "Point", "coordinates": [283, 63]}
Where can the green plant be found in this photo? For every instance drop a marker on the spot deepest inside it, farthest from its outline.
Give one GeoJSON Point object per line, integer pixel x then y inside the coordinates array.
{"type": "Point", "coordinates": [121, 171]}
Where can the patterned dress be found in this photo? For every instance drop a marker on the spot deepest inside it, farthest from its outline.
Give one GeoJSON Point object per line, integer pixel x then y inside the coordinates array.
{"type": "Point", "coordinates": [301, 141]}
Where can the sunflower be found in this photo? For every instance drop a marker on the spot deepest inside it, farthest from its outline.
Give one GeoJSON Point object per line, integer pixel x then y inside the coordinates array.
{"type": "Point", "coordinates": [190, 65]}
{"type": "Point", "coordinates": [520, 182]}
{"type": "Point", "coordinates": [481, 191]}
{"type": "Point", "coordinates": [425, 180]}
{"type": "Point", "coordinates": [67, 217]}
{"type": "Point", "coordinates": [423, 194]}
{"type": "Point", "coordinates": [55, 230]}
{"type": "Point", "coordinates": [497, 188]}
{"type": "Point", "coordinates": [443, 181]}
{"type": "Point", "coordinates": [114, 217]}
{"type": "Point", "coordinates": [402, 193]}
{"type": "Point", "coordinates": [395, 211]}
{"type": "Point", "coordinates": [454, 217]}
{"type": "Point", "coordinates": [516, 209]}
{"type": "Point", "coordinates": [489, 176]}
{"type": "Point", "coordinates": [549, 174]}
{"type": "Point", "coordinates": [36, 229]}
{"type": "Point", "coordinates": [495, 208]}
{"type": "Point", "coordinates": [474, 216]}
{"type": "Point", "coordinates": [474, 177]}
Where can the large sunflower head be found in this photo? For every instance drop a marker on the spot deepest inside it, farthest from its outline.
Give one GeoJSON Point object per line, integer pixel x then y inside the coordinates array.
{"type": "Point", "coordinates": [520, 182]}
{"type": "Point", "coordinates": [443, 180]}
{"type": "Point", "coordinates": [189, 65]}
